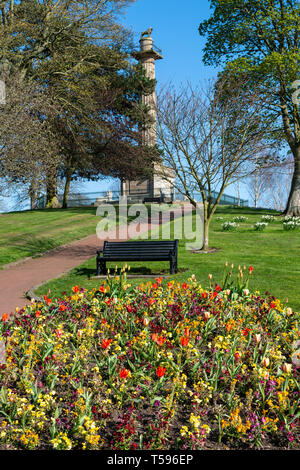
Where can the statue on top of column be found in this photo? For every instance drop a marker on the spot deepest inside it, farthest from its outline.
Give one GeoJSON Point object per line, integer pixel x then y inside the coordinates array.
{"type": "Point", "coordinates": [147, 33]}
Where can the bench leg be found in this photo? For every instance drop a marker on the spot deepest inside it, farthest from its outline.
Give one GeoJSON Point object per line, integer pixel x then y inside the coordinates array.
{"type": "Point", "coordinates": [101, 265]}
{"type": "Point", "coordinates": [98, 263]}
{"type": "Point", "coordinates": [103, 269]}
{"type": "Point", "coordinates": [173, 266]}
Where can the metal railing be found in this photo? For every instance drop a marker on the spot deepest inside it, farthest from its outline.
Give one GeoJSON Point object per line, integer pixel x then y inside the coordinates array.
{"type": "Point", "coordinates": [96, 198]}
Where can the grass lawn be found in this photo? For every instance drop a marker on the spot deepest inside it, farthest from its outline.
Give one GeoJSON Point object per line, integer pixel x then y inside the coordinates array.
{"type": "Point", "coordinates": [30, 233]}
{"type": "Point", "coordinates": [274, 254]}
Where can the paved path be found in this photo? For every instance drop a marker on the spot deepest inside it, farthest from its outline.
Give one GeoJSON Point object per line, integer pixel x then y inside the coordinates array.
{"type": "Point", "coordinates": [17, 280]}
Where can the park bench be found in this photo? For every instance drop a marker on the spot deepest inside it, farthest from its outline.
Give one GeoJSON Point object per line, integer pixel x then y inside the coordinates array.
{"type": "Point", "coordinates": [152, 250]}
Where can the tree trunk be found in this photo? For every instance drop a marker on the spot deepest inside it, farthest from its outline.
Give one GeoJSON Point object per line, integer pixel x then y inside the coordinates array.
{"type": "Point", "coordinates": [67, 189]}
{"type": "Point", "coordinates": [206, 235]}
{"type": "Point", "coordinates": [256, 190]}
{"type": "Point", "coordinates": [32, 195]}
{"type": "Point", "coordinates": [293, 204]}
{"type": "Point", "coordinates": [32, 201]}
{"type": "Point", "coordinates": [52, 198]}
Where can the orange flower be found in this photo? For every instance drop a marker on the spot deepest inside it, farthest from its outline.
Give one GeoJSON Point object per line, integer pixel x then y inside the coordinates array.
{"type": "Point", "coordinates": [184, 340]}
{"type": "Point", "coordinates": [151, 301]}
{"type": "Point", "coordinates": [75, 289]}
{"type": "Point", "coordinates": [102, 288]}
{"type": "Point", "coordinates": [5, 317]}
{"type": "Point", "coordinates": [107, 301]}
{"type": "Point", "coordinates": [160, 371]}
{"type": "Point", "coordinates": [158, 339]}
{"type": "Point", "coordinates": [124, 373]}
{"type": "Point", "coordinates": [105, 343]}
{"type": "Point", "coordinates": [204, 295]}
{"type": "Point", "coordinates": [228, 327]}
{"type": "Point", "coordinates": [62, 308]}
{"type": "Point", "coordinates": [48, 301]}
{"type": "Point", "coordinates": [184, 286]}
{"type": "Point", "coordinates": [246, 331]}
{"type": "Point", "coordinates": [155, 285]}
{"type": "Point", "coordinates": [37, 313]}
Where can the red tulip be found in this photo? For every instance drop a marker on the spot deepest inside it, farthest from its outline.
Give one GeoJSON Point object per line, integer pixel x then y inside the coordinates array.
{"type": "Point", "coordinates": [184, 340]}
{"type": "Point", "coordinates": [105, 343]}
{"type": "Point", "coordinates": [160, 371]}
{"type": "Point", "coordinates": [124, 373]}
{"type": "Point", "coordinates": [237, 356]}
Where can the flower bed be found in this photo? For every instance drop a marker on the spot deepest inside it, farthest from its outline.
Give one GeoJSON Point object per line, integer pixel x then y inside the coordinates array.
{"type": "Point", "coordinates": [160, 366]}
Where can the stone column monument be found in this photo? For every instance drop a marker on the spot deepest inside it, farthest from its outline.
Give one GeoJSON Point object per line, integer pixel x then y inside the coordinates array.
{"type": "Point", "coordinates": [158, 185]}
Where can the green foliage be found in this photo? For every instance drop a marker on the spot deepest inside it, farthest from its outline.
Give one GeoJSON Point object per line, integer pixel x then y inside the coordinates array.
{"type": "Point", "coordinates": [260, 40]}
{"type": "Point", "coordinates": [80, 55]}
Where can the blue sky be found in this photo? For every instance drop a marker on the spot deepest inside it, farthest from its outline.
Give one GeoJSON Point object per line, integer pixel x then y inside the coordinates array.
{"type": "Point", "coordinates": [175, 31]}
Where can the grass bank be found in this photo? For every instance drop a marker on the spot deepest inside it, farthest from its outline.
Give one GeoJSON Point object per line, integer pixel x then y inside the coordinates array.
{"type": "Point", "coordinates": [30, 233]}
{"type": "Point", "coordinates": [274, 254]}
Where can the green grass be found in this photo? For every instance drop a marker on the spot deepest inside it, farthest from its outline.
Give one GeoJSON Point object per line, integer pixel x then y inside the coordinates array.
{"type": "Point", "coordinates": [274, 254]}
{"type": "Point", "coordinates": [30, 233]}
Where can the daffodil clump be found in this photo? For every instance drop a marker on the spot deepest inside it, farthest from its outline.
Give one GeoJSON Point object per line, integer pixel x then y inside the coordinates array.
{"type": "Point", "coordinates": [164, 365]}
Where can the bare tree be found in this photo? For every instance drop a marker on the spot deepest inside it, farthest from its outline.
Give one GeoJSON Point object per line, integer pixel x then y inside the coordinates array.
{"type": "Point", "coordinates": [209, 138]}
{"type": "Point", "coordinates": [277, 184]}
{"type": "Point", "coordinates": [28, 150]}
{"type": "Point", "coordinates": [257, 184]}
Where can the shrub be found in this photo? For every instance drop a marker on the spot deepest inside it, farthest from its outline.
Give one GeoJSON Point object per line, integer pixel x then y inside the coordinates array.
{"type": "Point", "coordinates": [159, 366]}
{"type": "Point", "coordinates": [268, 218]}
{"type": "Point", "coordinates": [291, 223]}
{"type": "Point", "coordinates": [240, 218]}
{"type": "Point", "coordinates": [260, 226]}
{"type": "Point", "coordinates": [290, 218]}
{"type": "Point", "coordinates": [229, 226]}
